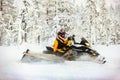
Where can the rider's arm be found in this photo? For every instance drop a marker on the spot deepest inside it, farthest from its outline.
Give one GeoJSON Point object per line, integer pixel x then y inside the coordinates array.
{"type": "Point", "coordinates": [69, 43]}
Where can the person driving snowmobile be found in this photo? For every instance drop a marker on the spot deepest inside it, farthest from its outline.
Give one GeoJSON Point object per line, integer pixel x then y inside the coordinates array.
{"type": "Point", "coordinates": [61, 44]}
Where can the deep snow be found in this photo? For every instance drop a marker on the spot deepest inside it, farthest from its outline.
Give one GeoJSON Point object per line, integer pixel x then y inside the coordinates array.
{"type": "Point", "coordinates": [11, 68]}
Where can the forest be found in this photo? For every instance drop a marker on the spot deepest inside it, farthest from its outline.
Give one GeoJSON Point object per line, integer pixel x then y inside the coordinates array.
{"type": "Point", "coordinates": [37, 21]}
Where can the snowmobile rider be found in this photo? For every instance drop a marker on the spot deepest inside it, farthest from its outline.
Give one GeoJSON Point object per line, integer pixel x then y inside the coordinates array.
{"type": "Point", "coordinates": [61, 44]}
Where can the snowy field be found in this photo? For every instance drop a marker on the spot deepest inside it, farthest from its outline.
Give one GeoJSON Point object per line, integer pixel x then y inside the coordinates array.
{"type": "Point", "coordinates": [11, 68]}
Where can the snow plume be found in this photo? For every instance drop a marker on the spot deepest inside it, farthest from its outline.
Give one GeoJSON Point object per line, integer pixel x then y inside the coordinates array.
{"type": "Point", "coordinates": [36, 21]}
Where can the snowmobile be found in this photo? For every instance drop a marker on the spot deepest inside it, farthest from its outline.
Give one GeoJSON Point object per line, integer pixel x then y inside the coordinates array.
{"type": "Point", "coordinates": [74, 52]}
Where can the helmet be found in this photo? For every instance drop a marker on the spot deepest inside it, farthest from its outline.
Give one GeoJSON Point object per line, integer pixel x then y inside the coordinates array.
{"type": "Point", "coordinates": [61, 34]}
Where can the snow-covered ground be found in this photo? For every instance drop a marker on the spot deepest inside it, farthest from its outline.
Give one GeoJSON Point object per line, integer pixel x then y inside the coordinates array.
{"type": "Point", "coordinates": [11, 68]}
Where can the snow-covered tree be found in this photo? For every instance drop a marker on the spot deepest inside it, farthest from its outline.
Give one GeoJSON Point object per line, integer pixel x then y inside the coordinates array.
{"type": "Point", "coordinates": [36, 21]}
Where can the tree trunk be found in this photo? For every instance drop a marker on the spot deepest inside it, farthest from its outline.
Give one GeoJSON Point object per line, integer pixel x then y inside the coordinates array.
{"type": "Point", "coordinates": [38, 39]}
{"type": "Point", "coordinates": [0, 5]}
{"type": "Point", "coordinates": [25, 37]}
{"type": "Point", "coordinates": [0, 8]}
